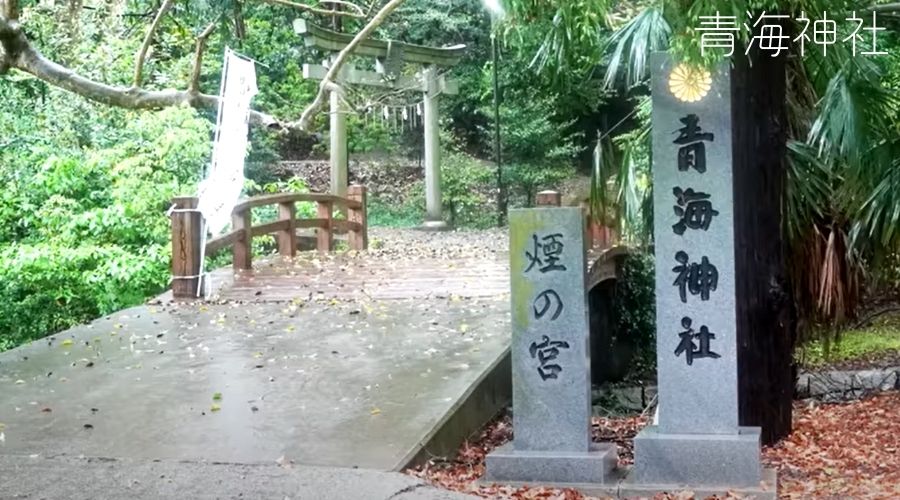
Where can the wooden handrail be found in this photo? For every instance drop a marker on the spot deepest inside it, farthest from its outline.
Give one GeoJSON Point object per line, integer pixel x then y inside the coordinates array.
{"type": "Point", "coordinates": [186, 230]}
{"type": "Point", "coordinates": [274, 199]}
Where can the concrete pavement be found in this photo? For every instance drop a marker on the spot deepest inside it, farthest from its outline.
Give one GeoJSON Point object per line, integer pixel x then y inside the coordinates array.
{"type": "Point", "coordinates": [69, 478]}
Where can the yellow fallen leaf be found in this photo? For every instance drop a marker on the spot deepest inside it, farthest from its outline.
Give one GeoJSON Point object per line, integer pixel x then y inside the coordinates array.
{"type": "Point", "coordinates": [290, 328]}
{"type": "Point", "coordinates": [463, 328]}
{"type": "Point", "coordinates": [20, 382]}
{"type": "Point", "coordinates": [257, 355]}
{"type": "Point", "coordinates": [215, 407]}
{"type": "Point", "coordinates": [375, 411]}
{"type": "Point", "coordinates": [67, 342]}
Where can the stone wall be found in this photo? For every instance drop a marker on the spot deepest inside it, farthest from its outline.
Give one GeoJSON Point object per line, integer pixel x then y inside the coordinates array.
{"type": "Point", "coordinates": [845, 385]}
{"type": "Point", "coordinates": [830, 386]}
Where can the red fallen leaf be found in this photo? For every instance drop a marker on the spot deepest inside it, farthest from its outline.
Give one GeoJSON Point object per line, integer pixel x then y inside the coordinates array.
{"type": "Point", "coordinates": [46, 410]}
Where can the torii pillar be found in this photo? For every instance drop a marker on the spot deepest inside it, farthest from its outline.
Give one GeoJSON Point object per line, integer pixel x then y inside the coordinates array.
{"type": "Point", "coordinates": [433, 208]}
{"type": "Point", "coordinates": [338, 135]}
{"type": "Point", "coordinates": [390, 57]}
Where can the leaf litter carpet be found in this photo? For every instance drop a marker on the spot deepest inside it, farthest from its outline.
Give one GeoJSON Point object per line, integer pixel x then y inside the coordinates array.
{"type": "Point", "coordinates": [836, 451]}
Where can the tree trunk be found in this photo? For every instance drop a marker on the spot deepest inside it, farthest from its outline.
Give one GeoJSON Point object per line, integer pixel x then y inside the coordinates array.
{"type": "Point", "coordinates": [766, 319]}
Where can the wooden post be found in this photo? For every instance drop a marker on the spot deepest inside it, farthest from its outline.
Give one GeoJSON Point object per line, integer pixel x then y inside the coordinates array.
{"type": "Point", "coordinates": [186, 237]}
{"type": "Point", "coordinates": [325, 234]}
{"type": "Point", "coordinates": [242, 252]}
{"type": "Point", "coordinates": [548, 199]}
{"type": "Point", "coordinates": [359, 240]}
{"type": "Point", "coordinates": [287, 239]}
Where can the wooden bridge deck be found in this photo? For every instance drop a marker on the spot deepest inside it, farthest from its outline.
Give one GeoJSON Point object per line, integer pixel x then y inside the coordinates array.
{"type": "Point", "coordinates": [406, 266]}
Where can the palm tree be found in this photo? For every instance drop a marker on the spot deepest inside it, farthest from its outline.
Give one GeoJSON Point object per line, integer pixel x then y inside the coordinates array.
{"type": "Point", "coordinates": [819, 133]}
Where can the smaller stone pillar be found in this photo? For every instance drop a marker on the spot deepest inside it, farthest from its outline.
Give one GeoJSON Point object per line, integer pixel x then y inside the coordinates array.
{"type": "Point", "coordinates": [551, 370]}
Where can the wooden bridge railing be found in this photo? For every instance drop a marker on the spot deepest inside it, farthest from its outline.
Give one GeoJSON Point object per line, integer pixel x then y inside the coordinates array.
{"type": "Point", "coordinates": [187, 223]}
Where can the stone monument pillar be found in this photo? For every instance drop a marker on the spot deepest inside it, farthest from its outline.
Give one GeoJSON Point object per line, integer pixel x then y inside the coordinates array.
{"type": "Point", "coordinates": [698, 443]}
{"type": "Point", "coordinates": [550, 356]}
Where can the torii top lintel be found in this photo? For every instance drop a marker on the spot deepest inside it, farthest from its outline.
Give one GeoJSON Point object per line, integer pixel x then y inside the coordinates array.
{"type": "Point", "coordinates": [325, 39]}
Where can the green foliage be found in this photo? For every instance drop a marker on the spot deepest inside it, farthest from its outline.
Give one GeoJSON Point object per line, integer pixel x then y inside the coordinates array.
{"type": "Point", "coordinates": [631, 45]}
{"type": "Point", "coordinates": [525, 180]}
{"type": "Point", "coordinates": [84, 232]}
{"type": "Point", "coordinates": [465, 183]}
{"type": "Point", "coordinates": [407, 212]}
{"type": "Point", "coordinates": [468, 197]}
{"type": "Point", "coordinates": [880, 339]}
{"type": "Point", "coordinates": [48, 287]}
{"type": "Point", "coordinates": [635, 310]}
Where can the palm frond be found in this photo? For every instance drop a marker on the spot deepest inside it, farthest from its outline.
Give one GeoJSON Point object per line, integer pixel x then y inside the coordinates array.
{"type": "Point", "coordinates": [877, 224]}
{"type": "Point", "coordinates": [630, 47]}
{"type": "Point", "coordinates": [810, 189]}
{"type": "Point", "coordinates": [853, 112]}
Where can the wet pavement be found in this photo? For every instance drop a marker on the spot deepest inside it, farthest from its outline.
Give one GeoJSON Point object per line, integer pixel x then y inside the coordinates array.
{"type": "Point", "coordinates": [304, 378]}
{"type": "Point", "coordinates": [83, 478]}
{"type": "Point", "coordinates": [326, 382]}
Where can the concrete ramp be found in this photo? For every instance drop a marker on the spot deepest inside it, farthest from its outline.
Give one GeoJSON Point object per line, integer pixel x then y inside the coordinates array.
{"type": "Point", "coordinates": [373, 360]}
{"type": "Point", "coordinates": [364, 384]}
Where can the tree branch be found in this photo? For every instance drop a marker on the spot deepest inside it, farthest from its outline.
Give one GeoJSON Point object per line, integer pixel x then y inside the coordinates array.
{"type": "Point", "coordinates": [358, 9]}
{"type": "Point", "coordinates": [10, 9]}
{"type": "Point", "coordinates": [194, 85]}
{"type": "Point", "coordinates": [315, 10]}
{"type": "Point", "coordinates": [24, 57]}
{"type": "Point", "coordinates": [148, 39]}
{"type": "Point", "coordinates": [885, 7]}
{"type": "Point", "coordinates": [327, 83]}
{"type": "Point", "coordinates": [17, 52]}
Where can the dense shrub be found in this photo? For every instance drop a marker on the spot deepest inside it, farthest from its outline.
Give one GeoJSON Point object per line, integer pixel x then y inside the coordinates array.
{"type": "Point", "coordinates": [465, 183]}
{"type": "Point", "coordinates": [635, 309]}
{"type": "Point", "coordinates": [468, 197]}
{"type": "Point", "coordinates": [48, 287]}
{"type": "Point", "coordinates": [84, 233]}
{"type": "Point", "coordinates": [623, 322]}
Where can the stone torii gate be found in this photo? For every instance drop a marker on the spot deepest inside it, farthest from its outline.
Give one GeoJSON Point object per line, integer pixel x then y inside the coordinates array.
{"type": "Point", "coordinates": [390, 57]}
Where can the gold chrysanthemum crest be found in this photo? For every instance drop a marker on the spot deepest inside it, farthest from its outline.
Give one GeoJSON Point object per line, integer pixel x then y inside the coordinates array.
{"type": "Point", "coordinates": [689, 83]}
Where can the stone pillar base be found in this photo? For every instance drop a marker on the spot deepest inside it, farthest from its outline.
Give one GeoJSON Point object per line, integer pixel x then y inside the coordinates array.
{"type": "Point", "coordinates": [766, 489]}
{"type": "Point", "coordinates": [508, 465]}
{"type": "Point", "coordinates": [434, 225]}
{"type": "Point", "coordinates": [697, 460]}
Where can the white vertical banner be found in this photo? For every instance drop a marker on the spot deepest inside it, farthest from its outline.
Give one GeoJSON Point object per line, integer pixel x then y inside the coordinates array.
{"type": "Point", "coordinates": [221, 188]}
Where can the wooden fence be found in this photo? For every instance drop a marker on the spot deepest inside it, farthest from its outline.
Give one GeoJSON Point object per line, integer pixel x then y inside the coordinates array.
{"type": "Point", "coordinates": [187, 227]}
